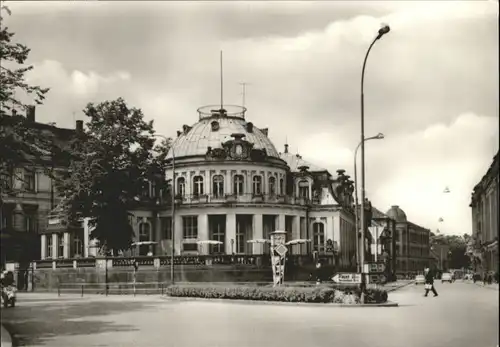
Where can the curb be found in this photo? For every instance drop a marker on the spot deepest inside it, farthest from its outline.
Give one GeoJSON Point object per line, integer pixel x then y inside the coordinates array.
{"type": "Point", "coordinates": [483, 286]}
{"type": "Point", "coordinates": [6, 339]}
{"type": "Point", "coordinates": [283, 303]}
{"type": "Point", "coordinates": [389, 290]}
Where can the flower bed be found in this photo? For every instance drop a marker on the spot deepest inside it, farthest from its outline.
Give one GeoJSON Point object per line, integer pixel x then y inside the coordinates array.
{"type": "Point", "coordinates": [317, 294]}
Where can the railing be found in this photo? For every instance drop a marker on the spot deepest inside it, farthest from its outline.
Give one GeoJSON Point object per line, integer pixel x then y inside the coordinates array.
{"type": "Point", "coordinates": [257, 260]}
{"type": "Point", "coordinates": [243, 198]}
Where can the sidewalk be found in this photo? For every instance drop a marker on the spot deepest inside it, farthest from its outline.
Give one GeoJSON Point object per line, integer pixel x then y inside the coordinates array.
{"type": "Point", "coordinates": [493, 286]}
{"type": "Point", "coordinates": [6, 339]}
{"type": "Point", "coordinates": [393, 286]}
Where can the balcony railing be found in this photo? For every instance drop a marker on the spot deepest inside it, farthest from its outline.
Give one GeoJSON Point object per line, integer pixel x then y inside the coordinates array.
{"type": "Point", "coordinates": [241, 198]}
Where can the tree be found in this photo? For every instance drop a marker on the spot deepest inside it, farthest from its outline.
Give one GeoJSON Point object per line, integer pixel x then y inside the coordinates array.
{"type": "Point", "coordinates": [20, 144]}
{"type": "Point", "coordinates": [115, 158]}
{"type": "Point", "coordinates": [458, 248]}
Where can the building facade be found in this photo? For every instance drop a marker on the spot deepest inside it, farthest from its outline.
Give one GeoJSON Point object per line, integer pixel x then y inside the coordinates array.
{"type": "Point", "coordinates": [31, 196]}
{"type": "Point", "coordinates": [485, 224]}
{"type": "Point", "coordinates": [412, 243]}
{"type": "Point", "coordinates": [232, 188]}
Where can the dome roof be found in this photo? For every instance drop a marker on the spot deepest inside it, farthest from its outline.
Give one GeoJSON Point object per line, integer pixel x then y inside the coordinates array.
{"type": "Point", "coordinates": [196, 139]}
{"type": "Point", "coordinates": [397, 214]}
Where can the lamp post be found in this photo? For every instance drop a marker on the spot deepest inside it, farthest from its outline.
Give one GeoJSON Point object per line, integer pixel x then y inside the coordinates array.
{"type": "Point", "coordinates": [384, 30]}
{"type": "Point", "coordinates": [379, 136]}
{"type": "Point", "coordinates": [172, 216]}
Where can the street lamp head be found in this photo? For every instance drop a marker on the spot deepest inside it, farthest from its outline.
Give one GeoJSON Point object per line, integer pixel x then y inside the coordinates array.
{"type": "Point", "coordinates": [379, 136]}
{"type": "Point", "coordinates": [382, 31]}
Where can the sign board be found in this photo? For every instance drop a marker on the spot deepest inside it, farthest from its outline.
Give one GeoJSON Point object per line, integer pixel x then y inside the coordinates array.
{"type": "Point", "coordinates": [347, 278]}
{"type": "Point", "coordinates": [377, 278]}
{"type": "Point", "coordinates": [281, 250]}
{"type": "Point", "coordinates": [375, 267]}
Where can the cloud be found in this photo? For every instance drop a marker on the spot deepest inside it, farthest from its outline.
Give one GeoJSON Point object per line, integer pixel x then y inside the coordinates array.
{"type": "Point", "coordinates": [431, 84]}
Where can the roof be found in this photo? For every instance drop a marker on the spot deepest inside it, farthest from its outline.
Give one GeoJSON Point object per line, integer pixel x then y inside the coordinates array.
{"type": "Point", "coordinates": [376, 213]}
{"type": "Point", "coordinates": [200, 136]}
{"type": "Point", "coordinates": [397, 214]}
{"type": "Point", "coordinates": [295, 161]}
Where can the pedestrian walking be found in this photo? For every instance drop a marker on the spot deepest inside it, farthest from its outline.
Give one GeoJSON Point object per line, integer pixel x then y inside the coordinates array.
{"type": "Point", "coordinates": [429, 282]}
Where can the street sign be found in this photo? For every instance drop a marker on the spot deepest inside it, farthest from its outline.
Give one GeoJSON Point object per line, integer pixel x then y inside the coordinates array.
{"type": "Point", "coordinates": [281, 250]}
{"type": "Point", "coordinates": [375, 267]}
{"type": "Point", "coordinates": [347, 278]}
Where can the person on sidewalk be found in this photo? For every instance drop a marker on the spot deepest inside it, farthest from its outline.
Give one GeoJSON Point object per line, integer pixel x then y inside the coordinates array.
{"type": "Point", "coordinates": [429, 282]}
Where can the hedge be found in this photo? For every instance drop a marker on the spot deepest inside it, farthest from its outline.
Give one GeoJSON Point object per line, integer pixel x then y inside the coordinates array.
{"type": "Point", "coordinates": [318, 294]}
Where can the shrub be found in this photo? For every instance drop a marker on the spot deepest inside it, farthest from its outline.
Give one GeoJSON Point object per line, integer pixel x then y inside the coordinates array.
{"type": "Point", "coordinates": [318, 294]}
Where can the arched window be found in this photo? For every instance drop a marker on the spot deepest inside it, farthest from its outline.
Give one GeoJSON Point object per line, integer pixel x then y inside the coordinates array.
{"type": "Point", "coordinates": [218, 186]}
{"type": "Point", "coordinates": [304, 189]}
{"type": "Point", "coordinates": [198, 185]}
{"type": "Point", "coordinates": [272, 185]}
{"type": "Point", "coordinates": [239, 183]}
{"type": "Point", "coordinates": [181, 186]}
{"type": "Point", "coordinates": [257, 185]}
{"type": "Point", "coordinates": [282, 186]}
{"type": "Point", "coordinates": [319, 237]}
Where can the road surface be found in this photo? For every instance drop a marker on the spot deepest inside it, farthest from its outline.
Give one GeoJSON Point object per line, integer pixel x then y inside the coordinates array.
{"type": "Point", "coordinates": [463, 315]}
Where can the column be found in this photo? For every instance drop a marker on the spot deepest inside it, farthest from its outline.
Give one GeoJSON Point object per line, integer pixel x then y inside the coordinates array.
{"type": "Point", "coordinates": [208, 183]}
{"type": "Point", "coordinates": [230, 233]}
{"type": "Point", "coordinates": [54, 246]}
{"type": "Point", "coordinates": [66, 249]}
{"type": "Point", "coordinates": [43, 244]}
{"type": "Point", "coordinates": [86, 238]}
{"type": "Point", "coordinates": [203, 233]}
{"type": "Point", "coordinates": [258, 233]}
{"type": "Point", "coordinates": [281, 223]}
{"type": "Point", "coordinates": [178, 235]}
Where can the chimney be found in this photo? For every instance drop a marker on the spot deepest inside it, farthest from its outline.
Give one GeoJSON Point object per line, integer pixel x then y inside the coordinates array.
{"type": "Point", "coordinates": [30, 114]}
{"type": "Point", "coordinates": [286, 147]}
{"type": "Point", "coordinates": [79, 126]}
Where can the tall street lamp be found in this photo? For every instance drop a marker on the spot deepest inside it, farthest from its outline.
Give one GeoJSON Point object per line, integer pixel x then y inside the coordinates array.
{"type": "Point", "coordinates": [384, 30]}
{"type": "Point", "coordinates": [379, 136]}
{"type": "Point", "coordinates": [172, 216]}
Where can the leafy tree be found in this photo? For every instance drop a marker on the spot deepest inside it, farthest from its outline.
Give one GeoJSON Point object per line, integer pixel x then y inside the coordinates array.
{"type": "Point", "coordinates": [115, 158]}
{"type": "Point", "coordinates": [457, 246]}
{"type": "Point", "coordinates": [20, 144]}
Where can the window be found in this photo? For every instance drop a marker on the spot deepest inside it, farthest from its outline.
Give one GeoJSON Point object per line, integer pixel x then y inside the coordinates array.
{"type": "Point", "coordinates": [217, 233]}
{"type": "Point", "coordinates": [218, 186]}
{"type": "Point", "coordinates": [60, 250]}
{"type": "Point", "coordinates": [243, 225]}
{"type": "Point", "coordinates": [31, 225]}
{"type": "Point", "coordinates": [198, 185]}
{"type": "Point", "coordinates": [144, 236]}
{"type": "Point", "coordinates": [190, 233]}
{"type": "Point", "coordinates": [181, 186]}
{"type": "Point", "coordinates": [238, 184]}
{"type": "Point", "coordinates": [272, 186]}
{"type": "Point", "coordinates": [29, 180]}
{"type": "Point", "coordinates": [257, 185]}
{"type": "Point", "coordinates": [282, 186]}
{"type": "Point", "coordinates": [304, 189]}
{"type": "Point", "coordinates": [146, 189]}
{"type": "Point", "coordinates": [319, 237]}
{"type": "Point", "coordinates": [166, 228]}
{"type": "Point", "coordinates": [77, 246]}
{"type": "Point", "coordinates": [48, 237]}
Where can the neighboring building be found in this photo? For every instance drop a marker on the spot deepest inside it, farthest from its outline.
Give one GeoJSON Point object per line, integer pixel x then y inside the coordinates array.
{"type": "Point", "coordinates": [233, 186]}
{"type": "Point", "coordinates": [411, 242]}
{"type": "Point", "coordinates": [32, 194]}
{"type": "Point", "coordinates": [485, 224]}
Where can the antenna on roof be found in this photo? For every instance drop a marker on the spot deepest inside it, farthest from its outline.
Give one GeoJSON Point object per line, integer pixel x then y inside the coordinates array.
{"type": "Point", "coordinates": [221, 84]}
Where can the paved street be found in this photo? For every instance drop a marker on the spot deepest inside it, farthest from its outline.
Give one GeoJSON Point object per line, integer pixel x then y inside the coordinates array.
{"type": "Point", "coordinates": [463, 315]}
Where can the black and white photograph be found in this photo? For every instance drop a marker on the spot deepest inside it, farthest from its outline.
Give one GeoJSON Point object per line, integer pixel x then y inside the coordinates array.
{"type": "Point", "coordinates": [249, 173]}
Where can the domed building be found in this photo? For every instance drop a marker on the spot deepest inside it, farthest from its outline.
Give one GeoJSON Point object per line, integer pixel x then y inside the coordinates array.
{"type": "Point", "coordinates": [233, 187]}
{"type": "Point", "coordinates": [412, 243]}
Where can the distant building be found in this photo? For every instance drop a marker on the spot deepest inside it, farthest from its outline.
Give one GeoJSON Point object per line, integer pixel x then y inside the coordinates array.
{"type": "Point", "coordinates": [411, 243]}
{"type": "Point", "coordinates": [29, 198]}
{"type": "Point", "coordinates": [485, 224]}
{"type": "Point", "coordinates": [231, 187]}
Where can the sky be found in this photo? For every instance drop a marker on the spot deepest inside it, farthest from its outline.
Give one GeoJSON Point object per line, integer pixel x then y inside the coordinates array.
{"type": "Point", "coordinates": [431, 84]}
